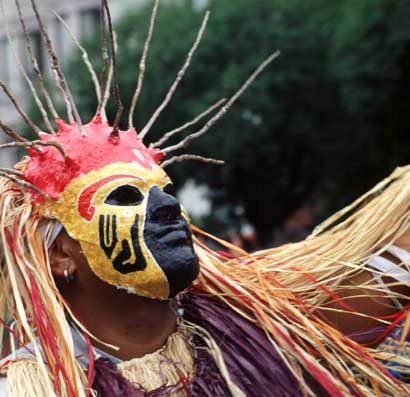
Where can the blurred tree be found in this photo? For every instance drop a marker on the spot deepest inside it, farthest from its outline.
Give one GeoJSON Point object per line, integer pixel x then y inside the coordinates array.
{"type": "Point", "coordinates": [367, 129]}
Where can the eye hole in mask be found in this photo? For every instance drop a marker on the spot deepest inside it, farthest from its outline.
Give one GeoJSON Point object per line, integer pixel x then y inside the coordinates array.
{"type": "Point", "coordinates": [170, 189]}
{"type": "Point", "coordinates": [125, 196]}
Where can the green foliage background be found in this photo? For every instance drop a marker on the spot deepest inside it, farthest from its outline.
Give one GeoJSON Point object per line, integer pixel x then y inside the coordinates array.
{"type": "Point", "coordinates": [324, 123]}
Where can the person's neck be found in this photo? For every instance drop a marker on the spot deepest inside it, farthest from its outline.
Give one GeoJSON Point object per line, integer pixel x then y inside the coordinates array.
{"type": "Point", "coordinates": [136, 325]}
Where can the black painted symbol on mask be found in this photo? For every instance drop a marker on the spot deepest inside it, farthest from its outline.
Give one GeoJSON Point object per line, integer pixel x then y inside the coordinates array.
{"type": "Point", "coordinates": [121, 261]}
{"type": "Point", "coordinates": [108, 234]}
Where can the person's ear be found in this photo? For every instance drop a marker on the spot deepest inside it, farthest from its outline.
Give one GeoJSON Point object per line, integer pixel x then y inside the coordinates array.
{"type": "Point", "coordinates": [61, 260]}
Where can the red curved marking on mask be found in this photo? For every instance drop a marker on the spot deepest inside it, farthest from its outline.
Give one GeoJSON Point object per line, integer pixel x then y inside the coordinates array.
{"type": "Point", "coordinates": [84, 206]}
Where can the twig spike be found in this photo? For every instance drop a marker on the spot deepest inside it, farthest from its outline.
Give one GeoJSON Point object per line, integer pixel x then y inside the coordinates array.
{"type": "Point", "coordinates": [185, 157]}
{"type": "Point", "coordinates": [180, 75]}
{"type": "Point", "coordinates": [142, 65]}
{"type": "Point", "coordinates": [105, 58]}
{"type": "Point", "coordinates": [34, 62]}
{"type": "Point", "coordinates": [117, 96]}
{"type": "Point", "coordinates": [84, 55]}
{"type": "Point", "coordinates": [11, 171]}
{"type": "Point", "coordinates": [24, 184]}
{"type": "Point", "coordinates": [225, 108]}
{"type": "Point", "coordinates": [33, 145]}
{"type": "Point", "coordinates": [107, 91]}
{"type": "Point", "coordinates": [55, 64]}
{"type": "Point", "coordinates": [11, 133]}
{"type": "Point", "coordinates": [197, 119]}
{"type": "Point", "coordinates": [22, 113]}
{"type": "Point", "coordinates": [24, 73]}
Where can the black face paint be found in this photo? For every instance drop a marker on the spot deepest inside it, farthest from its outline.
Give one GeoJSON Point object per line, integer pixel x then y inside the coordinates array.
{"type": "Point", "coordinates": [108, 229]}
{"type": "Point", "coordinates": [168, 237]}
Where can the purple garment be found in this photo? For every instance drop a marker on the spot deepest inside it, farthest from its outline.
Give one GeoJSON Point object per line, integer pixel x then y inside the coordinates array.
{"type": "Point", "coordinates": [109, 382]}
{"type": "Point", "coordinates": [208, 380]}
{"type": "Point", "coordinates": [253, 363]}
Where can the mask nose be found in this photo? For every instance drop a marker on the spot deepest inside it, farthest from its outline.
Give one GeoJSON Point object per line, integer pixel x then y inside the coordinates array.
{"type": "Point", "coordinates": [169, 240]}
{"type": "Point", "coordinates": [163, 207]}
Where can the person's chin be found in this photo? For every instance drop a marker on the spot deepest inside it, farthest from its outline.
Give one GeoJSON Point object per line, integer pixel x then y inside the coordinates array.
{"type": "Point", "coordinates": [181, 267]}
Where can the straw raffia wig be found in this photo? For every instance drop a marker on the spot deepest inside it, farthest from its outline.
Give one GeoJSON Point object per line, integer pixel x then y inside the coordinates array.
{"type": "Point", "coordinates": [260, 317]}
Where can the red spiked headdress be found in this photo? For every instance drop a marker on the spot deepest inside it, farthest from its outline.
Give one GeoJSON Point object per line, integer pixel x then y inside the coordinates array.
{"type": "Point", "coordinates": [93, 149]}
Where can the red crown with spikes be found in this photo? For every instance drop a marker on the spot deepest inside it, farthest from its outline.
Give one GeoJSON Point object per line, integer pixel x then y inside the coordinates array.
{"type": "Point", "coordinates": [92, 149]}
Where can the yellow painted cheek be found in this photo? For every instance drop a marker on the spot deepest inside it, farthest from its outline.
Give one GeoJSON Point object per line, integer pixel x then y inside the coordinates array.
{"type": "Point", "coordinates": [150, 282]}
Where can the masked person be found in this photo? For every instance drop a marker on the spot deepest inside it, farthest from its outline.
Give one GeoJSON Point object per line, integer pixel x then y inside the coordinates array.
{"type": "Point", "coordinates": [106, 292]}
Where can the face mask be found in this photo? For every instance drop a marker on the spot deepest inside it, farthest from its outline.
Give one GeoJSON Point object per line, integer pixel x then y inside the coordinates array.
{"type": "Point", "coordinates": [130, 226]}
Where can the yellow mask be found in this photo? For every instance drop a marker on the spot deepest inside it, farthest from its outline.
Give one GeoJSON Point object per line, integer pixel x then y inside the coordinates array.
{"type": "Point", "coordinates": [130, 227]}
